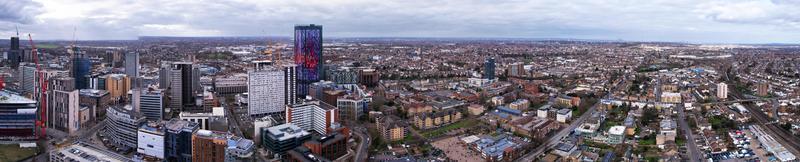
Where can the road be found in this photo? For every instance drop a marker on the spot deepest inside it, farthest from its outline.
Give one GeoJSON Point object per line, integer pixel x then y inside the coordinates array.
{"type": "Point", "coordinates": [691, 145]}
{"type": "Point", "coordinates": [361, 152]}
{"type": "Point", "coordinates": [554, 140]}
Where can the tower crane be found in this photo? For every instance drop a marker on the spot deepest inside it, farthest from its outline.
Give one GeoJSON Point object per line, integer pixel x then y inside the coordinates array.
{"type": "Point", "coordinates": [42, 122]}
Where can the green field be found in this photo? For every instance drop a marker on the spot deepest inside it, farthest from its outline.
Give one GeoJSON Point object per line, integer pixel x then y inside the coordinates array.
{"type": "Point", "coordinates": [46, 46]}
{"type": "Point", "coordinates": [445, 129]}
{"type": "Point", "coordinates": [12, 152]}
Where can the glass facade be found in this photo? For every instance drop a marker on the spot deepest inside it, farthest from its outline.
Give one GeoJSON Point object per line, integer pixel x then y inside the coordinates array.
{"type": "Point", "coordinates": [308, 56]}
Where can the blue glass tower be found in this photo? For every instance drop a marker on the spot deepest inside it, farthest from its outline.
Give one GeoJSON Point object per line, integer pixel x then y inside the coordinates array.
{"type": "Point", "coordinates": [488, 68]}
{"type": "Point", "coordinates": [308, 56]}
{"type": "Point", "coordinates": [80, 69]}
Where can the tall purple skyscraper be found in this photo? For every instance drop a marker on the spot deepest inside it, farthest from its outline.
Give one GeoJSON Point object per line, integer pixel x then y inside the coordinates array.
{"type": "Point", "coordinates": [308, 56]}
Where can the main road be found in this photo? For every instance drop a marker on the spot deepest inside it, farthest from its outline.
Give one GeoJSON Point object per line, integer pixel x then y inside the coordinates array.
{"type": "Point", "coordinates": [361, 152]}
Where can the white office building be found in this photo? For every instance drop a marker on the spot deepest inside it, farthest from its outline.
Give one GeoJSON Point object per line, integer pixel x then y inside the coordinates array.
{"type": "Point", "coordinates": [151, 140]}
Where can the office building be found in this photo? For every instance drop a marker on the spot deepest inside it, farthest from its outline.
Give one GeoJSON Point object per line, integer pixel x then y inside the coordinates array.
{"type": "Point", "coordinates": [722, 90]}
{"type": "Point", "coordinates": [266, 89]}
{"type": "Point", "coordinates": [18, 117]}
{"type": "Point", "coordinates": [343, 75]}
{"type": "Point", "coordinates": [352, 106]}
{"type": "Point", "coordinates": [96, 100]}
{"type": "Point", "coordinates": [27, 77]}
{"type": "Point", "coordinates": [14, 57]}
{"type": "Point", "coordinates": [332, 146]}
{"type": "Point", "coordinates": [122, 127]}
{"type": "Point", "coordinates": [132, 64]}
{"type": "Point", "coordinates": [369, 77]}
{"type": "Point", "coordinates": [181, 80]}
{"type": "Point", "coordinates": [178, 140]}
{"type": "Point", "coordinates": [220, 146]}
{"type": "Point", "coordinates": [312, 115]}
{"type": "Point", "coordinates": [230, 85]}
{"type": "Point", "coordinates": [150, 141]}
{"type": "Point", "coordinates": [207, 121]}
{"type": "Point", "coordinates": [308, 56]}
{"type": "Point", "coordinates": [616, 135]}
{"type": "Point", "coordinates": [97, 81]}
{"type": "Point", "coordinates": [63, 105]}
{"type": "Point", "coordinates": [83, 152]}
{"type": "Point", "coordinates": [488, 68]}
{"type": "Point", "coordinates": [516, 69]}
{"type": "Point", "coordinates": [80, 68]}
{"type": "Point", "coordinates": [303, 154]}
{"type": "Point", "coordinates": [281, 138]}
{"type": "Point", "coordinates": [262, 123]}
{"type": "Point", "coordinates": [118, 86]}
{"type": "Point", "coordinates": [151, 104]}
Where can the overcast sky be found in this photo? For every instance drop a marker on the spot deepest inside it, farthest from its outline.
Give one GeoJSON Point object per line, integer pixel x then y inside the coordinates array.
{"type": "Point", "coordinates": [696, 21]}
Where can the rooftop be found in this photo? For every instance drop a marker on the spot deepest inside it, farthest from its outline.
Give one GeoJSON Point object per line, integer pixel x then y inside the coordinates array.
{"type": "Point", "coordinates": [287, 131]}
{"type": "Point", "coordinates": [7, 97]}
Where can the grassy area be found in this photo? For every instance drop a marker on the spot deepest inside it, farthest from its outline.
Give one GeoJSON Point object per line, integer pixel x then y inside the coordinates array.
{"type": "Point", "coordinates": [14, 153]}
{"type": "Point", "coordinates": [648, 140]}
{"type": "Point", "coordinates": [441, 130]}
{"type": "Point", "coordinates": [46, 46]}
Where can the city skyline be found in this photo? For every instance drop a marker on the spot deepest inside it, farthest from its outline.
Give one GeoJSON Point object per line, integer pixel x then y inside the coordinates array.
{"type": "Point", "coordinates": [710, 21]}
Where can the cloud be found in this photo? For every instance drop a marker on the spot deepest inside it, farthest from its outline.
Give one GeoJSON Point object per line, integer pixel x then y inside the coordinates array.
{"type": "Point", "coordinates": [18, 11]}
{"type": "Point", "coordinates": [652, 20]}
{"type": "Point", "coordinates": [780, 13]}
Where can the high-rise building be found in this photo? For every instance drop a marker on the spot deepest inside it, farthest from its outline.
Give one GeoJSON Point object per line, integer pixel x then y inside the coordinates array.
{"type": "Point", "coordinates": [266, 88]}
{"type": "Point", "coordinates": [118, 86]}
{"type": "Point", "coordinates": [312, 115]}
{"type": "Point", "coordinates": [178, 141]}
{"type": "Point", "coordinates": [220, 146]}
{"type": "Point", "coordinates": [151, 104]}
{"type": "Point", "coordinates": [63, 105]}
{"type": "Point", "coordinates": [123, 125]}
{"type": "Point", "coordinates": [80, 68]}
{"type": "Point", "coordinates": [488, 68]}
{"type": "Point", "coordinates": [14, 57]}
{"type": "Point", "coordinates": [722, 90]}
{"type": "Point", "coordinates": [132, 64]}
{"type": "Point", "coordinates": [181, 80]}
{"type": "Point", "coordinates": [26, 78]}
{"type": "Point", "coordinates": [290, 83]}
{"type": "Point", "coordinates": [308, 56]}
{"type": "Point", "coordinates": [516, 69]}
{"type": "Point", "coordinates": [19, 117]}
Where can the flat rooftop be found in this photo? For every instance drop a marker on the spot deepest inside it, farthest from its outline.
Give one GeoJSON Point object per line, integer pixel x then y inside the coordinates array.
{"type": "Point", "coordinates": [287, 131]}
{"type": "Point", "coordinates": [10, 98]}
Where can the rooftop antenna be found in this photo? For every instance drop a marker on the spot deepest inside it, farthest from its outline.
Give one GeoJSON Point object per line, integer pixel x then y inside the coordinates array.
{"type": "Point", "coordinates": [17, 27]}
{"type": "Point", "coordinates": [74, 30]}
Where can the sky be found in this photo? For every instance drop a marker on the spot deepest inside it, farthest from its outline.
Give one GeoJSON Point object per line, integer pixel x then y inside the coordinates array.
{"type": "Point", "coordinates": [692, 21]}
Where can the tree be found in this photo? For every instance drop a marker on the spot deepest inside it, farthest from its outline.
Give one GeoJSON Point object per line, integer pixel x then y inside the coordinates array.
{"type": "Point", "coordinates": [649, 115]}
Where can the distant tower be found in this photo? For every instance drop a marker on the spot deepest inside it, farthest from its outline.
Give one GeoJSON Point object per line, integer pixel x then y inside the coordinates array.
{"type": "Point", "coordinates": [14, 53]}
{"type": "Point", "coordinates": [722, 90]}
{"type": "Point", "coordinates": [308, 56]}
{"type": "Point", "coordinates": [132, 64]}
{"type": "Point", "coordinates": [80, 69]}
{"type": "Point", "coordinates": [488, 68]}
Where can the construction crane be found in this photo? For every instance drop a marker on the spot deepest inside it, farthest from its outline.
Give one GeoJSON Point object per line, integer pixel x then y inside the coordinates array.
{"type": "Point", "coordinates": [42, 122]}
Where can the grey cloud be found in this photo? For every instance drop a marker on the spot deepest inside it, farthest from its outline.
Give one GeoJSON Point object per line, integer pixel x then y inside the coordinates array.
{"type": "Point", "coordinates": [18, 11]}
